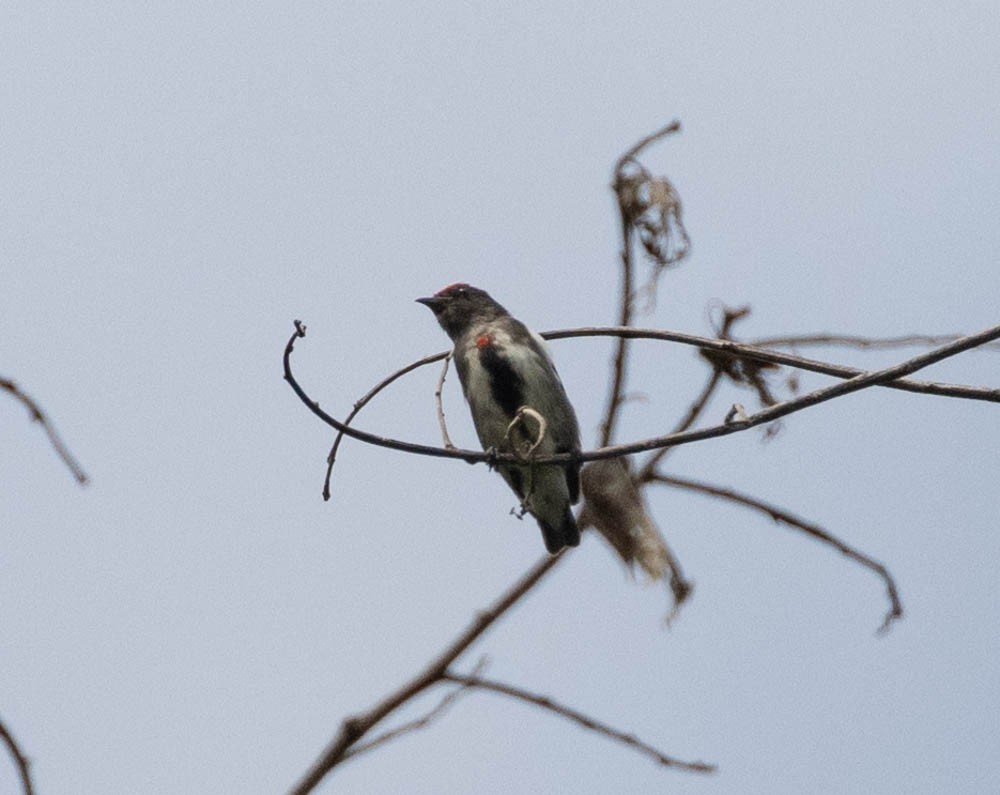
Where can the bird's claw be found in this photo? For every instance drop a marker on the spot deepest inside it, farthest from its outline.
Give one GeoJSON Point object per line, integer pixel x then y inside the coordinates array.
{"type": "Point", "coordinates": [491, 458]}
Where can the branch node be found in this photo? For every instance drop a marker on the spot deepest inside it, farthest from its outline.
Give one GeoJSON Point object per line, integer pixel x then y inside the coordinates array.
{"type": "Point", "coordinates": [353, 728]}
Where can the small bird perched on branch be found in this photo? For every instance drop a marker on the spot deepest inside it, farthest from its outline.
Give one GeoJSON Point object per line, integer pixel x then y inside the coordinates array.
{"type": "Point", "coordinates": [518, 404]}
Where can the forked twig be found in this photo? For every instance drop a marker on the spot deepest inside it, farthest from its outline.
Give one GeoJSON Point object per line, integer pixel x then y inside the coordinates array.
{"type": "Point", "coordinates": [418, 723]}
{"type": "Point", "coordinates": [356, 727]}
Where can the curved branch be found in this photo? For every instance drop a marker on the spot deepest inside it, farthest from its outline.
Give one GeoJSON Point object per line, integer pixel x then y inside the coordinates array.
{"type": "Point", "coordinates": [19, 759]}
{"type": "Point", "coordinates": [889, 376]}
{"type": "Point", "coordinates": [781, 516]}
{"type": "Point", "coordinates": [54, 439]}
{"type": "Point", "coordinates": [579, 718]}
{"type": "Point", "coordinates": [771, 413]}
{"type": "Point", "coordinates": [363, 436]}
{"type": "Point", "coordinates": [745, 351]}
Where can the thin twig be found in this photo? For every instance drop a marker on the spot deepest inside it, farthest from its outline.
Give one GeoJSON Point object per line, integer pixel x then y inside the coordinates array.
{"type": "Point", "coordinates": [615, 395]}
{"type": "Point", "coordinates": [362, 402]}
{"type": "Point", "coordinates": [354, 728]}
{"type": "Point", "coordinates": [771, 413]}
{"type": "Point", "coordinates": [699, 403]}
{"type": "Point", "coordinates": [722, 332]}
{"type": "Point", "coordinates": [578, 717]}
{"type": "Point", "coordinates": [446, 440]}
{"type": "Point", "coordinates": [671, 128]}
{"type": "Point", "coordinates": [20, 760]}
{"type": "Point", "coordinates": [782, 516]}
{"type": "Point", "coordinates": [419, 723]}
{"type": "Point", "coordinates": [746, 351]}
{"type": "Point", "coordinates": [689, 419]}
{"type": "Point", "coordinates": [858, 341]}
{"type": "Point", "coordinates": [889, 376]}
{"type": "Point", "coordinates": [39, 416]}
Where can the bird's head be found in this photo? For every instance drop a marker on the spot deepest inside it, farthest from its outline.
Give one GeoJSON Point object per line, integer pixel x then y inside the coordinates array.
{"type": "Point", "coordinates": [458, 306]}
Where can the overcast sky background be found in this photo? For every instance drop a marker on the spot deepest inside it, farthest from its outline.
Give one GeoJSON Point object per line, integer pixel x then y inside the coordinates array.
{"type": "Point", "coordinates": [179, 182]}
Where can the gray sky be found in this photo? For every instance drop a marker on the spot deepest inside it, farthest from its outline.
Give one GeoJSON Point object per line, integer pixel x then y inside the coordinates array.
{"type": "Point", "coordinates": [177, 183]}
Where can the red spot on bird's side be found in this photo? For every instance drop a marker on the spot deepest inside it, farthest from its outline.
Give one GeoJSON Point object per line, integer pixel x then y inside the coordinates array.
{"type": "Point", "coordinates": [484, 341]}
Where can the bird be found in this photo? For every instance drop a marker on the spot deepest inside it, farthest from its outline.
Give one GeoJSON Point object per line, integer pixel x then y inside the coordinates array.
{"type": "Point", "coordinates": [507, 376]}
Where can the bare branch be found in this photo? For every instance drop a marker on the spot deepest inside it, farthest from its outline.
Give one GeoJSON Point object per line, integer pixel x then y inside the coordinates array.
{"type": "Point", "coordinates": [625, 190]}
{"type": "Point", "coordinates": [39, 416]}
{"type": "Point", "coordinates": [784, 517]}
{"type": "Point", "coordinates": [693, 413]}
{"type": "Point", "coordinates": [650, 208]}
{"type": "Point", "coordinates": [771, 413]}
{"type": "Point", "coordinates": [631, 153]}
{"type": "Point", "coordinates": [354, 728]}
{"type": "Point", "coordinates": [446, 440]}
{"type": "Point", "coordinates": [362, 402]}
{"type": "Point", "coordinates": [741, 370]}
{"type": "Point", "coordinates": [20, 760]}
{"type": "Point", "coordinates": [890, 377]}
{"type": "Point", "coordinates": [579, 718]}
{"type": "Point", "coordinates": [746, 351]}
{"type": "Point", "coordinates": [615, 396]}
{"type": "Point", "coordinates": [419, 723]}
{"type": "Point", "coordinates": [698, 404]}
{"type": "Point", "coordinates": [690, 417]}
{"type": "Point", "coordinates": [858, 341]}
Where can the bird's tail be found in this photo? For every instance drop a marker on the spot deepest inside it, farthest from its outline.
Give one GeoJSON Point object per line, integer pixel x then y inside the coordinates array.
{"type": "Point", "coordinates": [563, 534]}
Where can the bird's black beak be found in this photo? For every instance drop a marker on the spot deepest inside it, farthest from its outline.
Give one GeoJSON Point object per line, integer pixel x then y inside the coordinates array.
{"type": "Point", "coordinates": [434, 303]}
